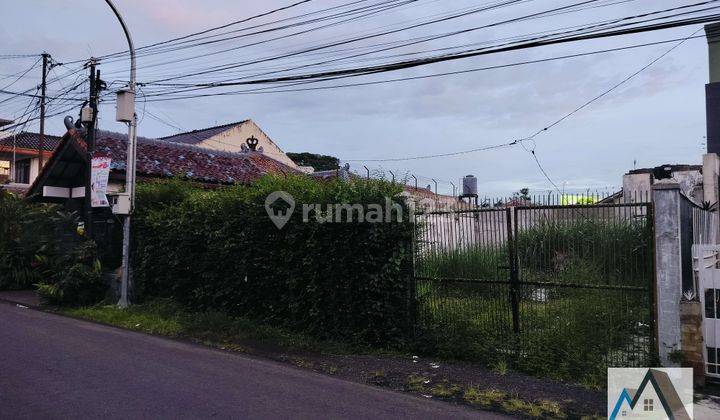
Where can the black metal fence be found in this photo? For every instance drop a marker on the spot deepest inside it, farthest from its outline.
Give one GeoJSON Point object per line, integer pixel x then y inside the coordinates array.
{"type": "Point", "coordinates": [559, 290]}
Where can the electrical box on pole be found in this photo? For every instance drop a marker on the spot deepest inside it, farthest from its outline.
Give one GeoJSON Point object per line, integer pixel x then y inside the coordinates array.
{"type": "Point", "coordinates": [86, 115]}
{"type": "Point", "coordinates": [125, 106]}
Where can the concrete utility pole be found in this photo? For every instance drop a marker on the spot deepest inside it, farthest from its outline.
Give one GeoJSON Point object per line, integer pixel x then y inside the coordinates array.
{"type": "Point", "coordinates": [131, 158]}
{"type": "Point", "coordinates": [90, 142]}
{"type": "Point", "coordinates": [43, 89]}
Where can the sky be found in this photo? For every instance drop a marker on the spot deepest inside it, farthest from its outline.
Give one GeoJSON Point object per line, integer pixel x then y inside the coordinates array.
{"type": "Point", "coordinates": [657, 117]}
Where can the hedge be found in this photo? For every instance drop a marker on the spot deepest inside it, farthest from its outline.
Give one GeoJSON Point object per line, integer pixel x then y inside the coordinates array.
{"type": "Point", "coordinates": [40, 247]}
{"type": "Point", "coordinates": [218, 249]}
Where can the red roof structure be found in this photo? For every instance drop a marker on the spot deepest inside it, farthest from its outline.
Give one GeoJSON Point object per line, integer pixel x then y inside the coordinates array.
{"type": "Point", "coordinates": [29, 141]}
{"type": "Point", "coordinates": [155, 159]}
{"type": "Point", "coordinates": [161, 158]}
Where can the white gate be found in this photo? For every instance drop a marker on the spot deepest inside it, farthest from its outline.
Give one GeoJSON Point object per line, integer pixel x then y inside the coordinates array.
{"type": "Point", "coordinates": [706, 265]}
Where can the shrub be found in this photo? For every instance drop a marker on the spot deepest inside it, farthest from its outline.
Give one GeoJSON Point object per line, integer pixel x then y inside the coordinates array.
{"type": "Point", "coordinates": [39, 246]}
{"type": "Point", "coordinates": [218, 250]}
{"type": "Point", "coordinates": [24, 229]}
{"type": "Point", "coordinates": [72, 278]}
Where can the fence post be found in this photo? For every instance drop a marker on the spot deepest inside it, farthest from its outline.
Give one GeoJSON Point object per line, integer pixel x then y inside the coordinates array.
{"type": "Point", "coordinates": [668, 267]}
{"type": "Point", "coordinates": [511, 218]}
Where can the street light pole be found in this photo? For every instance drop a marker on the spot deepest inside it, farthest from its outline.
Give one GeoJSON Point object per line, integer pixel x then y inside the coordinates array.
{"type": "Point", "coordinates": [130, 168]}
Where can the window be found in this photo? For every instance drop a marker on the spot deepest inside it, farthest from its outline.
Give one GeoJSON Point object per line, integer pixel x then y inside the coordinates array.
{"type": "Point", "coordinates": [712, 360]}
{"type": "Point", "coordinates": [4, 170]}
{"type": "Point", "coordinates": [624, 413]}
{"type": "Point", "coordinates": [709, 303]}
{"type": "Point", "coordinates": [648, 404]}
{"type": "Point", "coordinates": [22, 171]}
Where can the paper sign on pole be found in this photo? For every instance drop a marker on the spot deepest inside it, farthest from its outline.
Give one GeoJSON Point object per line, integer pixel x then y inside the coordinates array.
{"type": "Point", "coordinates": [99, 181]}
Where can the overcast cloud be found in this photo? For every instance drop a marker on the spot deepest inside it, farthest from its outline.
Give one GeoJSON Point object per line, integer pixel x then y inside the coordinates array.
{"type": "Point", "coordinates": [656, 118]}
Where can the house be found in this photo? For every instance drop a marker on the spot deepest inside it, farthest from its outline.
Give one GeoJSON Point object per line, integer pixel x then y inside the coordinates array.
{"type": "Point", "coordinates": [19, 153]}
{"type": "Point", "coordinates": [20, 157]}
{"type": "Point", "coordinates": [232, 138]}
{"type": "Point", "coordinates": [64, 174]}
{"type": "Point", "coordinates": [658, 400]}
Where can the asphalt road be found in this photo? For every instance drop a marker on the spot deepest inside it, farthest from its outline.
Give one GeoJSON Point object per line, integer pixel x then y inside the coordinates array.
{"type": "Point", "coordinates": [56, 367]}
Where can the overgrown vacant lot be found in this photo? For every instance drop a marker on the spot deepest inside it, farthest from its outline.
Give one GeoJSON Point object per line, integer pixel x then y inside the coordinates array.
{"type": "Point", "coordinates": [585, 320]}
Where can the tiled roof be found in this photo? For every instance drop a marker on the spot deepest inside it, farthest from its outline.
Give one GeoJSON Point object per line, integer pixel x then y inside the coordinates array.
{"type": "Point", "coordinates": [165, 159]}
{"type": "Point", "coordinates": [25, 140]}
{"type": "Point", "coordinates": [197, 136]}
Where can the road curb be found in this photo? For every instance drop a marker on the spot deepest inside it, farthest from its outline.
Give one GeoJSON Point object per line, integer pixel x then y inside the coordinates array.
{"type": "Point", "coordinates": [23, 304]}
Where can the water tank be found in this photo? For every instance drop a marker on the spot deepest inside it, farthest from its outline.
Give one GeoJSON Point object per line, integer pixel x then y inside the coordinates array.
{"type": "Point", "coordinates": [469, 186]}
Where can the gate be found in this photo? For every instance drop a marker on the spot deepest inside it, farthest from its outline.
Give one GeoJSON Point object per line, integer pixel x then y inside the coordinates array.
{"type": "Point", "coordinates": [565, 291]}
{"type": "Point", "coordinates": [706, 263]}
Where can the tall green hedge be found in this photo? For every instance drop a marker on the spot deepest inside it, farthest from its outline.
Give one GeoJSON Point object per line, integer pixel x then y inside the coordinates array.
{"type": "Point", "coordinates": [218, 249]}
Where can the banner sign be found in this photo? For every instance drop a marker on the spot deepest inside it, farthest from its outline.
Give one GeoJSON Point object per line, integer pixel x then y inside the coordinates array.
{"type": "Point", "coordinates": [99, 181]}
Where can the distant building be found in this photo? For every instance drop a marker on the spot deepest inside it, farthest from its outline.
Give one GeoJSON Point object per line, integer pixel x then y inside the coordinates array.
{"type": "Point", "coordinates": [231, 138]}
{"type": "Point", "coordinates": [637, 183]}
{"type": "Point", "coordinates": [67, 167]}
{"type": "Point", "coordinates": [20, 153]}
{"type": "Point", "coordinates": [20, 156]}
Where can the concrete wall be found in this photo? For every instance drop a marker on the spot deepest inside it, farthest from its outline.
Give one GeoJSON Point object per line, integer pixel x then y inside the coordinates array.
{"type": "Point", "coordinates": [711, 171]}
{"type": "Point", "coordinates": [233, 139]}
{"type": "Point", "coordinates": [636, 187]}
{"type": "Point", "coordinates": [666, 199]}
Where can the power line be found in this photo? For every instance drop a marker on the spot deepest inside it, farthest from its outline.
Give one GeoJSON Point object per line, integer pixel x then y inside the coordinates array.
{"type": "Point", "coordinates": [422, 62]}
{"type": "Point", "coordinates": [4, 88]}
{"type": "Point", "coordinates": [617, 85]}
{"type": "Point", "coordinates": [556, 122]}
{"type": "Point", "coordinates": [273, 89]}
{"type": "Point", "coordinates": [120, 53]}
{"type": "Point", "coordinates": [594, 99]}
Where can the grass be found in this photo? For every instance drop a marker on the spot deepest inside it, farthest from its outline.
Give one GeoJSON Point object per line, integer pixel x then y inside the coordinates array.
{"type": "Point", "coordinates": [572, 337]}
{"type": "Point", "coordinates": [587, 252]}
{"type": "Point", "coordinates": [565, 333]}
{"type": "Point", "coordinates": [163, 317]}
{"type": "Point", "coordinates": [487, 399]}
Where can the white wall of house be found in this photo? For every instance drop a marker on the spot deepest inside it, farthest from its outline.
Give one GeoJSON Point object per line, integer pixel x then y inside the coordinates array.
{"type": "Point", "coordinates": [232, 140]}
{"type": "Point", "coordinates": [34, 169]}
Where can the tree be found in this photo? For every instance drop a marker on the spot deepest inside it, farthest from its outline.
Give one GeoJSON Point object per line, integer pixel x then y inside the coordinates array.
{"type": "Point", "coordinates": [523, 194]}
{"type": "Point", "coordinates": [318, 162]}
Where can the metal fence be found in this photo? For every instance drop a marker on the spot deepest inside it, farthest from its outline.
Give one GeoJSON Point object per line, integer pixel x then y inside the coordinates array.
{"type": "Point", "coordinates": [704, 225]}
{"type": "Point", "coordinates": [564, 290]}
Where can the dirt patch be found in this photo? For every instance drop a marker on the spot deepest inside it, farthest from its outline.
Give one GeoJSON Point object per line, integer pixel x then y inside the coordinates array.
{"type": "Point", "coordinates": [456, 382]}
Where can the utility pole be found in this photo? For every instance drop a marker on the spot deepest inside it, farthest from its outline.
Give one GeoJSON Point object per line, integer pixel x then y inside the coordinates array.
{"type": "Point", "coordinates": [90, 143]}
{"type": "Point", "coordinates": [126, 113]}
{"type": "Point", "coordinates": [43, 88]}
